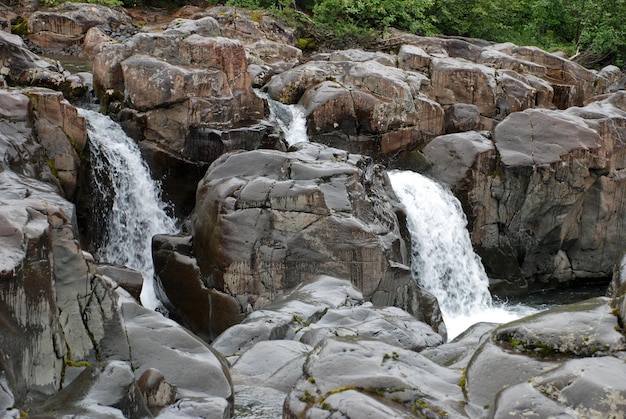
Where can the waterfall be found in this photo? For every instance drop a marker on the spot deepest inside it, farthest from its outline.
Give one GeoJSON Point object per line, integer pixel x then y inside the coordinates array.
{"type": "Point", "coordinates": [289, 118]}
{"type": "Point", "coordinates": [443, 261]}
{"type": "Point", "coordinates": [137, 212]}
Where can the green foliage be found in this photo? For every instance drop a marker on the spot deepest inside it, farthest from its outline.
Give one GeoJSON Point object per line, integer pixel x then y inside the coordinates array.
{"type": "Point", "coordinates": [20, 26]}
{"type": "Point", "coordinates": [359, 17]}
{"type": "Point", "coordinates": [110, 3]}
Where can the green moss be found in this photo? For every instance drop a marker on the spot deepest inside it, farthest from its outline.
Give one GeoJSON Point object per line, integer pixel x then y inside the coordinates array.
{"type": "Point", "coordinates": [306, 43]}
{"type": "Point", "coordinates": [311, 380]}
{"type": "Point", "coordinates": [20, 27]}
{"type": "Point", "coordinates": [52, 167]}
{"type": "Point", "coordinates": [463, 382]}
{"type": "Point", "coordinates": [79, 364]}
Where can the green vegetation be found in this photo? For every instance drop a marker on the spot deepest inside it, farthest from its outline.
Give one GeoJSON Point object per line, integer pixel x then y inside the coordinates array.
{"type": "Point", "coordinates": [110, 3]}
{"type": "Point", "coordinates": [591, 30]}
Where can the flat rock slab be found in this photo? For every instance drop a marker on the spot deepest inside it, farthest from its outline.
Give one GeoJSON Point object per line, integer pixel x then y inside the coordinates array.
{"type": "Point", "coordinates": [359, 377]}
{"type": "Point", "coordinates": [587, 328]}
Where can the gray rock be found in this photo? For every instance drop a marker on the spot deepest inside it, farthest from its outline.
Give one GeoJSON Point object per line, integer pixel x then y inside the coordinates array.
{"type": "Point", "coordinates": [590, 387]}
{"type": "Point", "coordinates": [587, 328]}
{"type": "Point", "coordinates": [155, 390]}
{"type": "Point", "coordinates": [491, 369]}
{"type": "Point", "coordinates": [274, 364]}
{"type": "Point", "coordinates": [281, 320]}
{"type": "Point", "coordinates": [104, 391]}
{"type": "Point", "coordinates": [269, 233]}
{"type": "Point", "coordinates": [357, 377]}
{"type": "Point", "coordinates": [391, 325]}
{"type": "Point", "coordinates": [150, 335]}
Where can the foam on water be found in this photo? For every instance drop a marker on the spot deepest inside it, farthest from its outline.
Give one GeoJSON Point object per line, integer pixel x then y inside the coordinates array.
{"type": "Point", "coordinates": [137, 211]}
{"type": "Point", "coordinates": [443, 261]}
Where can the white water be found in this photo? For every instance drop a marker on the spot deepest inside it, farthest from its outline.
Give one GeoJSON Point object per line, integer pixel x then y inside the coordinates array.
{"type": "Point", "coordinates": [290, 119]}
{"type": "Point", "coordinates": [138, 213]}
{"type": "Point", "coordinates": [443, 261]}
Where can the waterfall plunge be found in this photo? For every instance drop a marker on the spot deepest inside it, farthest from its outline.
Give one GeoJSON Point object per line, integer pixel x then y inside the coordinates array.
{"type": "Point", "coordinates": [443, 260]}
{"type": "Point", "coordinates": [137, 211]}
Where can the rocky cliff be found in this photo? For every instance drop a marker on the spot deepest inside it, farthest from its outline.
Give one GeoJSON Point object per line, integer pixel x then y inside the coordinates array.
{"type": "Point", "coordinates": [293, 259]}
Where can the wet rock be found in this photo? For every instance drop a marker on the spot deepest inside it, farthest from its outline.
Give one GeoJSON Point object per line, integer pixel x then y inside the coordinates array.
{"type": "Point", "coordinates": [568, 165]}
{"type": "Point", "coordinates": [357, 377]}
{"type": "Point", "coordinates": [204, 310]}
{"type": "Point", "coordinates": [130, 280]}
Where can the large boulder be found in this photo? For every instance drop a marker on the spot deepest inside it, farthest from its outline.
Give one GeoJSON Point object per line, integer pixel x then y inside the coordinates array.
{"type": "Point", "coordinates": [359, 377]}
{"type": "Point", "coordinates": [265, 221]}
{"type": "Point", "coordinates": [63, 28]}
{"type": "Point", "coordinates": [184, 77]}
{"type": "Point", "coordinates": [355, 102]}
{"type": "Point", "coordinates": [542, 194]}
{"type": "Point", "coordinates": [564, 360]}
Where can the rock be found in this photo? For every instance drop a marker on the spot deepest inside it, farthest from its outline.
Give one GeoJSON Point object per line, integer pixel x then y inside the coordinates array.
{"type": "Point", "coordinates": [482, 382]}
{"type": "Point", "coordinates": [195, 78]}
{"type": "Point", "coordinates": [589, 387]}
{"type": "Point", "coordinates": [461, 117]}
{"type": "Point", "coordinates": [205, 311]}
{"type": "Point", "coordinates": [102, 391]}
{"type": "Point", "coordinates": [16, 59]}
{"type": "Point", "coordinates": [527, 190]}
{"type": "Point", "coordinates": [368, 107]}
{"type": "Point", "coordinates": [205, 144]}
{"type": "Point", "coordinates": [275, 364]}
{"type": "Point", "coordinates": [256, 237]}
{"type": "Point", "coordinates": [251, 26]}
{"type": "Point", "coordinates": [199, 373]}
{"type": "Point", "coordinates": [457, 354]}
{"type": "Point", "coordinates": [400, 290]}
{"type": "Point", "coordinates": [94, 42]}
{"type": "Point", "coordinates": [461, 82]}
{"type": "Point", "coordinates": [63, 28]}
{"type": "Point", "coordinates": [357, 377]}
{"type": "Point", "coordinates": [130, 280]}
{"type": "Point", "coordinates": [155, 390]}
{"type": "Point", "coordinates": [391, 325]}
{"type": "Point", "coordinates": [179, 176]}
{"type": "Point", "coordinates": [581, 329]}
{"type": "Point", "coordinates": [62, 132]}
{"type": "Point", "coordinates": [285, 317]}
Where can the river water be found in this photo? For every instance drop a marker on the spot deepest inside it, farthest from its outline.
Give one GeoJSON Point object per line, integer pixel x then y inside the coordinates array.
{"type": "Point", "coordinates": [443, 261]}
{"type": "Point", "coordinates": [137, 212]}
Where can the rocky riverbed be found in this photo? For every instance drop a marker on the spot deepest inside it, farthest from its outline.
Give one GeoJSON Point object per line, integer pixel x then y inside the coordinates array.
{"type": "Point", "coordinates": [288, 291]}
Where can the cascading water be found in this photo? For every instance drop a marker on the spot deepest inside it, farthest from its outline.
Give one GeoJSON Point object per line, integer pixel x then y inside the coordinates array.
{"type": "Point", "coordinates": [137, 212]}
{"type": "Point", "coordinates": [443, 260]}
{"type": "Point", "coordinates": [289, 118]}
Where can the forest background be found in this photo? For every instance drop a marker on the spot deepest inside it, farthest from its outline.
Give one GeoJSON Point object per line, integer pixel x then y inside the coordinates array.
{"type": "Point", "coordinates": [591, 32]}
